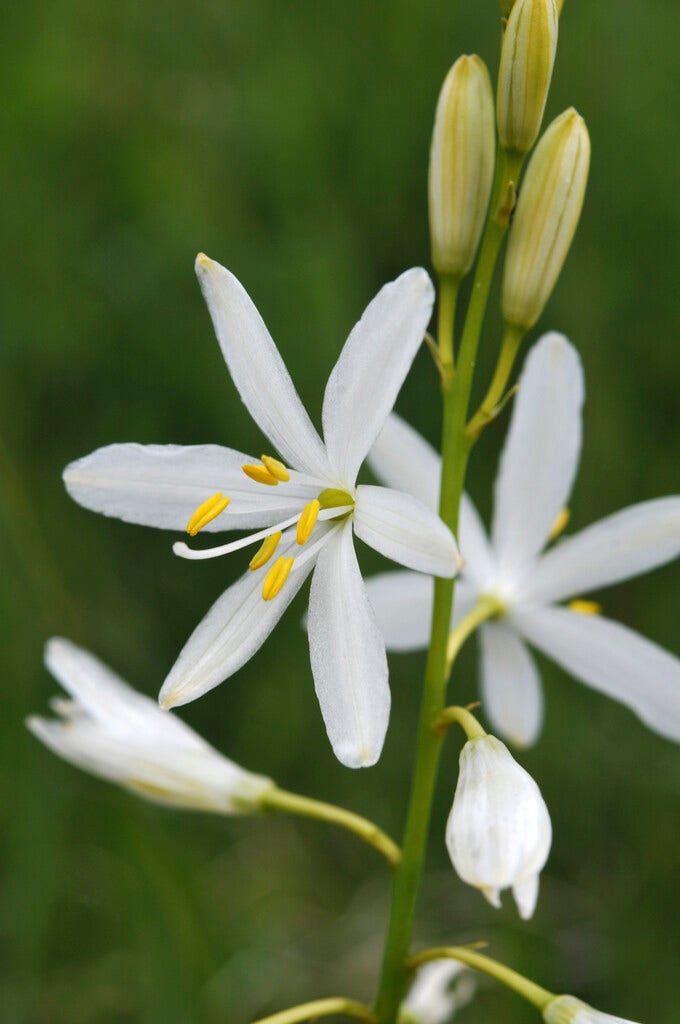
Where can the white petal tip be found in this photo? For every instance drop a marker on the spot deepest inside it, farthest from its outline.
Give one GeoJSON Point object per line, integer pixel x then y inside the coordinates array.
{"type": "Point", "coordinates": [526, 896]}
{"type": "Point", "coordinates": [492, 896]}
{"type": "Point", "coordinates": [350, 757]}
{"type": "Point", "coordinates": [203, 263]}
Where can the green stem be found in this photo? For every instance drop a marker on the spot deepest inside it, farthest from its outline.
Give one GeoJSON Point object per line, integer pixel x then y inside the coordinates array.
{"type": "Point", "coordinates": [321, 1008]}
{"type": "Point", "coordinates": [463, 718]}
{"type": "Point", "coordinates": [276, 799]}
{"type": "Point", "coordinates": [486, 608]}
{"type": "Point", "coordinates": [455, 451]}
{"type": "Point", "coordinates": [446, 317]}
{"type": "Point", "coordinates": [540, 997]}
{"type": "Point", "coordinates": [512, 339]}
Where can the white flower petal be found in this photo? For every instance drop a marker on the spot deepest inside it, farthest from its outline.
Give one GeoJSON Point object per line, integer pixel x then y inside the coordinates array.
{"type": "Point", "coordinates": [402, 602]}
{"type": "Point", "coordinates": [163, 484]}
{"type": "Point", "coordinates": [475, 550]}
{"type": "Point", "coordinates": [95, 688]}
{"type": "Point", "coordinates": [526, 896]}
{"type": "Point", "coordinates": [367, 377]}
{"type": "Point", "coordinates": [511, 692]}
{"type": "Point", "coordinates": [612, 659]}
{"type": "Point", "coordinates": [403, 459]}
{"type": "Point", "coordinates": [348, 655]}
{"type": "Point", "coordinates": [402, 528]}
{"type": "Point", "coordinates": [258, 370]}
{"type": "Point", "coordinates": [235, 627]}
{"type": "Point", "coordinates": [540, 455]}
{"type": "Point", "coordinates": [568, 1010]}
{"type": "Point", "coordinates": [625, 544]}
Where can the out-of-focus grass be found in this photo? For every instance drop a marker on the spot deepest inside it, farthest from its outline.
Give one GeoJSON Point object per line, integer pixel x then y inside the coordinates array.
{"type": "Point", "coordinates": [290, 141]}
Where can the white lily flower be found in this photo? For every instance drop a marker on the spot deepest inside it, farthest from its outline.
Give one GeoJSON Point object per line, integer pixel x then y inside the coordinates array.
{"type": "Point", "coordinates": [306, 509]}
{"type": "Point", "coordinates": [498, 834]}
{"type": "Point", "coordinates": [110, 730]}
{"type": "Point", "coordinates": [568, 1010]}
{"type": "Point", "coordinates": [440, 989]}
{"type": "Point", "coordinates": [537, 470]}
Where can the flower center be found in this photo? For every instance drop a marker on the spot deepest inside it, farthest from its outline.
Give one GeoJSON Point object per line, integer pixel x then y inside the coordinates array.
{"type": "Point", "coordinates": [331, 503]}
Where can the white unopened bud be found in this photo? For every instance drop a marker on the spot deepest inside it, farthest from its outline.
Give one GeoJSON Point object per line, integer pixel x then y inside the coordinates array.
{"type": "Point", "coordinates": [498, 833]}
{"type": "Point", "coordinates": [507, 5]}
{"type": "Point", "coordinates": [461, 165]}
{"type": "Point", "coordinates": [546, 218]}
{"type": "Point", "coordinates": [113, 732]}
{"type": "Point", "coordinates": [527, 58]}
{"type": "Point", "coordinates": [441, 987]}
{"type": "Point", "coordinates": [568, 1010]}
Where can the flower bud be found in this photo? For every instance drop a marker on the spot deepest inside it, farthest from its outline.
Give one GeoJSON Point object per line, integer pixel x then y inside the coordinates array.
{"type": "Point", "coordinates": [461, 165]}
{"type": "Point", "coordinates": [108, 729]}
{"type": "Point", "coordinates": [527, 58]}
{"type": "Point", "coordinates": [507, 5]}
{"type": "Point", "coordinates": [498, 833]}
{"type": "Point", "coordinates": [441, 987]}
{"type": "Point", "coordinates": [546, 217]}
{"type": "Point", "coordinates": [568, 1010]}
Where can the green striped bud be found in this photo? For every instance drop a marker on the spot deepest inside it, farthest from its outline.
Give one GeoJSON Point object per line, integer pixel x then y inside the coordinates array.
{"type": "Point", "coordinates": [527, 58]}
{"type": "Point", "coordinates": [546, 217]}
{"type": "Point", "coordinates": [461, 165]}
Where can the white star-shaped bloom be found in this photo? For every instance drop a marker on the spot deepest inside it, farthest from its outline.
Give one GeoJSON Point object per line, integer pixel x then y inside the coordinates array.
{"type": "Point", "coordinates": [535, 478]}
{"type": "Point", "coordinates": [110, 730]}
{"type": "Point", "coordinates": [305, 508]}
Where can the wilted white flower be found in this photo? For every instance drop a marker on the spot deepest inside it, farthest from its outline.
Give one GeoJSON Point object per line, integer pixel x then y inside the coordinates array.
{"type": "Point", "coordinates": [568, 1010]}
{"type": "Point", "coordinates": [535, 478]}
{"type": "Point", "coordinates": [306, 510]}
{"type": "Point", "coordinates": [110, 730]}
{"type": "Point", "coordinates": [439, 989]}
{"type": "Point", "coordinates": [498, 833]}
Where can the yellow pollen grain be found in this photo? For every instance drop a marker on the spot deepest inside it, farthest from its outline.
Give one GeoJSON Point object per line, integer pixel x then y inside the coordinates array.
{"type": "Point", "coordinates": [307, 521]}
{"type": "Point", "coordinates": [560, 524]}
{"type": "Point", "coordinates": [585, 607]}
{"type": "Point", "coordinates": [260, 474]}
{"type": "Point", "coordinates": [276, 577]}
{"type": "Point", "coordinates": [206, 512]}
{"type": "Point", "coordinates": [276, 468]}
{"type": "Point", "coordinates": [265, 552]}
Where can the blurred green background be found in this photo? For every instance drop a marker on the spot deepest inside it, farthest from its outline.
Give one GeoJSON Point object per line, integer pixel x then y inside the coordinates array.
{"type": "Point", "coordinates": [290, 141]}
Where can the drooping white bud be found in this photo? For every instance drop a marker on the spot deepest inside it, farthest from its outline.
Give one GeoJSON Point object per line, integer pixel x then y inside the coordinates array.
{"type": "Point", "coordinates": [111, 731]}
{"type": "Point", "coordinates": [441, 987]}
{"type": "Point", "coordinates": [461, 165]}
{"type": "Point", "coordinates": [527, 58]}
{"type": "Point", "coordinates": [546, 218]}
{"type": "Point", "coordinates": [568, 1010]}
{"type": "Point", "coordinates": [498, 833]}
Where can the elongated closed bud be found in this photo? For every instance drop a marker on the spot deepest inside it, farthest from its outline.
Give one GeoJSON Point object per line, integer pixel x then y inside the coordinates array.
{"type": "Point", "coordinates": [108, 729]}
{"type": "Point", "coordinates": [568, 1010]}
{"type": "Point", "coordinates": [546, 218]}
{"type": "Point", "coordinates": [498, 833]}
{"type": "Point", "coordinates": [440, 989]}
{"type": "Point", "coordinates": [507, 5]}
{"type": "Point", "coordinates": [527, 58]}
{"type": "Point", "coordinates": [461, 165]}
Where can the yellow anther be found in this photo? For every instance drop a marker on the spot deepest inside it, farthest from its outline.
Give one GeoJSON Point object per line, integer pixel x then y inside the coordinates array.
{"type": "Point", "coordinates": [276, 577]}
{"type": "Point", "coordinates": [265, 552]}
{"type": "Point", "coordinates": [260, 474]}
{"type": "Point", "coordinates": [307, 521]}
{"type": "Point", "coordinates": [560, 523]}
{"type": "Point", "coordinates": [206, 512]}
{"type": "Point", "coordinates": [276, 468]}
{"type": "Point", "coordinates": [333, 497]}
{"type": "Point", "coordinates": [585, 607]}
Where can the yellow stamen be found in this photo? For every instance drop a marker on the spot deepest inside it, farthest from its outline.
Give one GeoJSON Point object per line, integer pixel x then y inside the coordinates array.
{"type": "Point", "coordinates": [560, 523]}
{"type": "Point", "coordinates": [333, 497]}
{"type": "Point", "coordinates": [276, 577]}
{"type": "Point", "coordinates": [260, 474]}
{"type": "Point", "coordinates": [276, 468]}
{"type": "Point", "coordinates": [585, 607]}
{"type": "Point", "coordinates": [206, 512]}
{"type": "Point", "coordinates": [307, 521]}
{"type": "Point", "coordinates": [265, 552]}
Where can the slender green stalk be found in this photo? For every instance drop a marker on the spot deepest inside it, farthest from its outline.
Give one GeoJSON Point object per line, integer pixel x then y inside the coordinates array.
{"type": "Point", "coordinates": [463, 718]}
{"type": "Point", "coordinates": [321, 1008]}
{"type": "Point", "coordinates": [448, 297]}
{"type": "Point", "coordinates": [276, 799]}
{"type": "Point", "coordinates": [455, 451]}
{"type": "Point", "coordinates": [540, 997]}
{"type": "Point", "coordinates": [486, 608]}
{"type": "Point", "coordinates": [512, 339]}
